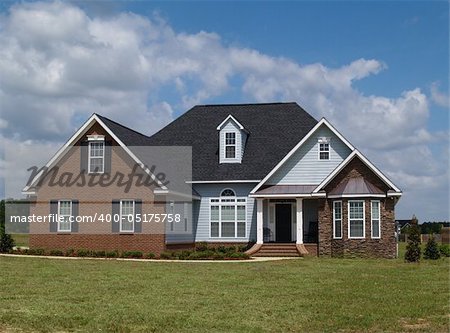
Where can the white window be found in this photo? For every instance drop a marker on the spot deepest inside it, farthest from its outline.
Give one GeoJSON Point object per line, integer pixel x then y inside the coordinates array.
{"type": "Point", "coordinates": [228, 215]}
{"type": "Point", "coordinates": [96, 157]}
{"type": "Point", "coordinates": [324, 148]}
{"type": "Point", "coordinates": [375, 216]}
{"type": "Point", "coordinates": [64, 214]}
{"type": "Point", "coordinates": [356, 220]}
{"type": "Point", "coordinates": [126, 215]}
{"type": "Point", "coordinates": [337, 219]}
{"type": "Point", "coordinates": [230, 145]}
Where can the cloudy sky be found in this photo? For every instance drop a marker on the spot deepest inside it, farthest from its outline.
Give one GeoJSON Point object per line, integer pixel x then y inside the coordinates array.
{"type": "Point", "coordinates": [377, 70]}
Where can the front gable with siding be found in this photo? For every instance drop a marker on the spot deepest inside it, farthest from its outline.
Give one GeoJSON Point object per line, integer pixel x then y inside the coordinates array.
{"type": "Point", "coordinates": [304, 167]}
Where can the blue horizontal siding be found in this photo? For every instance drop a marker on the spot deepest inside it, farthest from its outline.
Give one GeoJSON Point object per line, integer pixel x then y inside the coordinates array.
{"type": "Point", "coordinates": [304, 166]}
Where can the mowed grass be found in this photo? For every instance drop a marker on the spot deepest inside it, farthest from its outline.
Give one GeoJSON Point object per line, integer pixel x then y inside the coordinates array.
{"type": "Point", "coordinates": [304, 295]}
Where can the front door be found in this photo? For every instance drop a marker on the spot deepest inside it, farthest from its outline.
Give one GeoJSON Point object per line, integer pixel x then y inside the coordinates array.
{"type": "Point", "coordinates": [283, 222]}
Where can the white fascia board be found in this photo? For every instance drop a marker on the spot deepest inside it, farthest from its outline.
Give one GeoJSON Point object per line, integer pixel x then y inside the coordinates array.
{"type": "Point", "coordinates": [294, 195]}
{"type": "Point", "coordinates": [396, 194]}
{"type": "Point", "coordinates": [372, 167]}
{"type": "Point", "coordinates": [159, 191]}
{"type": "Point", "coordinates": [322, 121]}
{"type": "Point", "coordinates": [357, 196]}
{"type": "Point", "coordinates": [61, 152]}
{"type": "Point", "coordinates": [220, 181]}
{"type": "Point", "coordinates": [228, 118]}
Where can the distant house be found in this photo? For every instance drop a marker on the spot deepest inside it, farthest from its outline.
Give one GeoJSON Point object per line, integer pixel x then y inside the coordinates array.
{"type": "Point", "coordinates": [268, 176]}
{"type": "Point", "coordinates": [403, 225]}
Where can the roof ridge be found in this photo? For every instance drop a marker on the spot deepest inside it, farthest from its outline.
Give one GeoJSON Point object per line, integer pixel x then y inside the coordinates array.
{"type": "Point", "coordinates": [246, 104]}
{"type": "Point", "coordinates": [119, 124]}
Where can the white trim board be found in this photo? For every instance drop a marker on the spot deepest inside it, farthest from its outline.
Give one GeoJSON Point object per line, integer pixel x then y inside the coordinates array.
{"type": "Point", "coordinates": [344, 163]}
{"type": "Point", "coordinates": [220, 181]}
{"type": "Point", "coordinates": [228, 118]}
{"type": "Point", "coordinates": [322, 121]}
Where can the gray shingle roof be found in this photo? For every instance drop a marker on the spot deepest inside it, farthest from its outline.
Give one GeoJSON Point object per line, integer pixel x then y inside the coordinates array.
{"type": "Point", "coordinates": [274, 129]}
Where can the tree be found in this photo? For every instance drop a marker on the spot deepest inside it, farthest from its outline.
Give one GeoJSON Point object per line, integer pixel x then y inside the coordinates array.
{"type": "Point", "coordinates": [6, 241]}
{"type": "Point", "coordinates": [432, 250]}
{"type": "Point", "coordinates": [413, 250]}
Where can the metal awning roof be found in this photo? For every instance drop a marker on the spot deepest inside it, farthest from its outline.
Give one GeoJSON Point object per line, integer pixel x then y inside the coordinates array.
{"type": "Point", "coordinates": [355, 186]}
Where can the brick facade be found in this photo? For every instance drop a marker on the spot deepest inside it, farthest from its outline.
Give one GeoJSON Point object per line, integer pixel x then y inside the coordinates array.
{"type": "Point", "coordinates": [121, 242]}
{"type": "Point", "coordinates": [385, 247]}
{"type": "Point", "coordinates": [98, 200]}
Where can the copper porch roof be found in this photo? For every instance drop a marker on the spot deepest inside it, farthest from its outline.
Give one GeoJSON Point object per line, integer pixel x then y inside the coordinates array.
{"type": "Point", "coordinates": [355, 186]}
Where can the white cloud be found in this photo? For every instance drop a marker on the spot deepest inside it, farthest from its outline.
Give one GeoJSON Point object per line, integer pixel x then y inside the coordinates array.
{"type": "Point", "coordinates": [59, 65]}
{"type": "Point", "coordinates": [439, 97]}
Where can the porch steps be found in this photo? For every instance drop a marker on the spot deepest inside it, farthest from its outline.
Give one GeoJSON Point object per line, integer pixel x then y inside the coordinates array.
{"type": "Point", "coordinates": [277, 250]}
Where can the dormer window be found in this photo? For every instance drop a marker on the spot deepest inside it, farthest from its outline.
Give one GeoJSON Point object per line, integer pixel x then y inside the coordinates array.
{"type": "Point", "coordinates": [232, 140]}
{"type": "Point", "coordinates": [324, 148]}
{"type": "Point", "coordinates": [230, 145]}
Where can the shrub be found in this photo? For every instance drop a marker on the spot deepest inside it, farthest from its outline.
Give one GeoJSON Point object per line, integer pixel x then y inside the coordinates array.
{"type": "Point", "coordinates": [6, 241]}
{"type": "Point", "coordinates": [58, 253]}
{"type": "Point", "coordinates": [201, 246]}
{"type": "Point", "coordinates": [166, 255]}
{"type": "Point", "coordinates": [182, 255]}
{"type": "Point", "coordinates": [150, 255]}
{"type": "Point", "coordinates": [243, 248]}
{"type": "Point", "coordinates": [221, 249]}
{"type": "Point", "coordinates": [112, 254]}
{"type": "Point", "coordinates": [83, 253]}
{"type": "Point", "coordinates": [238, 255]}
{"type": "Point", "coordinates": [99, 254]}
{"type": "Point", "coordinates": [39, 252]}
{"type": "Point", "coordinates": [445, 250]}
{"type": "Point", "coordinates": [432, 250]}
{"type": "Point", "coordinates": [132, 254]}
{"type": "Point", "coordinates": [69, 253]}
{"type": "Point", "coordinates": [219, 255]}
{"type": "Point", "coordinates": [413, 250]}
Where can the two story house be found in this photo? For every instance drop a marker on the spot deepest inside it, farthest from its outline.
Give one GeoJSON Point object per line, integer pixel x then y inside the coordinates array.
{"type": "Point", "coordinates": [269, 176]}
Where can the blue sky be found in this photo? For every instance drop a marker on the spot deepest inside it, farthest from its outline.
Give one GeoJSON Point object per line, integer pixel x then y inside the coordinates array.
{"type": "Point", "coordinates": [377, 69]}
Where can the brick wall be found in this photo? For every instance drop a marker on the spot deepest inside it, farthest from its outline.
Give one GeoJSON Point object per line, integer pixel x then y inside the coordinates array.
{"type": "Point", "coordinates": [121, 242]}
{"type": "Point", "coordinates": [384, 247]}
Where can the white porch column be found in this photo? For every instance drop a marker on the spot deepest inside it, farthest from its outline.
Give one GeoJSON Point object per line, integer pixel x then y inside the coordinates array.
{"type": "Point", "coordinates": [259, 221]}
{"type": "Point", "coordinates": [299, 220]}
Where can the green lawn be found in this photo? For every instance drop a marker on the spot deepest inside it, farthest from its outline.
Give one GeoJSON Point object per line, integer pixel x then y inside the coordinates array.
{"type": "Point", "coordinates": [305, 295]}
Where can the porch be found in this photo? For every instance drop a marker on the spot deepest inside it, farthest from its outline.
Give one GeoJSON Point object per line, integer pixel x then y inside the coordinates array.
{"type": "Point", "coordinates": [286, 219]}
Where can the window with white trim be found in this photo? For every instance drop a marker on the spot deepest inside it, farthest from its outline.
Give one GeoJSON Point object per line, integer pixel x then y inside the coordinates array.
{"type": "Point", "coordinates": [228, 215]}
{"type": "Point", "coordinates": [230, 145]}
{"type": "Point", "coordinates": [64, 214]}
{"type": "Point", "coordinates": [375, 218]}
{"type": "Point", "coordinates": [337, 219]}
{"type": "Point", "coordinates": [324, 148]}
{"type": "Point", "coordinates": [96, 157]}
{"type": "Point", "coordinates": [126, 215]}
{"type": "Point", "coordinates": [356, 220]}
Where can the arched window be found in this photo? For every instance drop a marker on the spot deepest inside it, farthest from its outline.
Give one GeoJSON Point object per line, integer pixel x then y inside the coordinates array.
{"type": "Point", "coordinates": [228, 192]}
{"type": "Point", "coordinates": [228, 217]}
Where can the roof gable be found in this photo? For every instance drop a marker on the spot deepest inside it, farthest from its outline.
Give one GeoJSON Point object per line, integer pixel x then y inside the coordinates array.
{"type": "Point", "coordinates": [322, 122]}
{"type": "Point", "coordinates": [368, 164]}
{"type": "Point", "coordinates": [79, 134]}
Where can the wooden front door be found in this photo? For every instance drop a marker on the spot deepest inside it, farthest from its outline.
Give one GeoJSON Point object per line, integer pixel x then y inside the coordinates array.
{"type": "Point", "coordinates": [283, 222]}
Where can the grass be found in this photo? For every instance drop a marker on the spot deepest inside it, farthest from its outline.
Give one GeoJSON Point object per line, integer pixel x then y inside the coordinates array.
{"type": "Point", "coordinates": [306, 295]}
